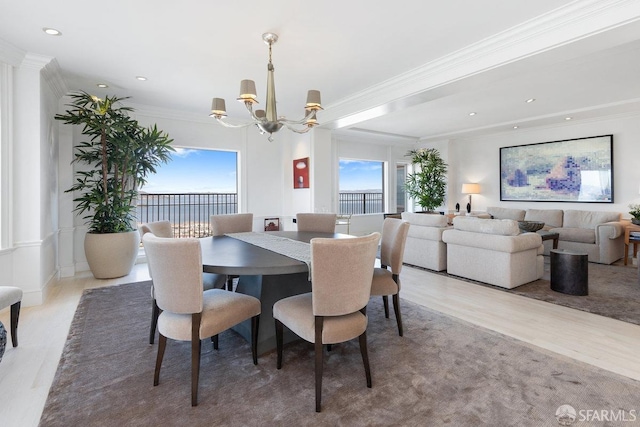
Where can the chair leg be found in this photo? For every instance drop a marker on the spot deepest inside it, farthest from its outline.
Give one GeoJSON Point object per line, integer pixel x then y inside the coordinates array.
{"type": "Point", "coordinates": [230, 283]}
{"type": "Point", "coordinates": [214, 340]}
{"type": "Point", "coordinates": [15, 314]}
{"type": "Point", "coordinates": [365, 357]}
{"type": "Point", "coordinates": [396, 309]}
{"type": "Point", "coordinates": [195, 356]}
{"type": "Point", "coordinates": [255, 324]}
{"type": "Point", "coordinates": [385, 301]}
{"type": "Point", "coordinates": [279, 334]}
{"type": "Point", "coordinates": [318, 351]}
{"type": "Point", "coordinates": [162, 344]}
{"type": "Point", "coordinates": [155, 312]}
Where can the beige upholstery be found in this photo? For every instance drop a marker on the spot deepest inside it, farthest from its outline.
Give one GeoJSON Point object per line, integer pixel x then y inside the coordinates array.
{"type": "Point", "coordinates": [493, 251]}
{"type": "Point", "coordinates": [386, 279]}
{"type": "Point", "coordinates": [424, 246]}
{"type": "Point", "coordinates": [335, 309]}
{"type": "Point", "coordinates": [164, 229]}
{"type": "Point", "coordinates": [232, 223]}
{"type": "Point", "coordinates": [10, 296]}
{"type": "Point", "coordinates": [320, 222]}
{"type": "Point", "coordinates": [188, 314]}
{"type": "Point", "coordinates": [599, 234]}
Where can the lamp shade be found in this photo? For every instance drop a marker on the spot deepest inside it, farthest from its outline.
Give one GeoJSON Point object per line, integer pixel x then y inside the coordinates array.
{"type": "Point", "coordinates": [247, 91]}
{"type": "Point", "coordinates": [470, 188]}
{"type": "Point", "coordinates": [313, 100]}
{"type": "Point", "coordinates": [218, 107]}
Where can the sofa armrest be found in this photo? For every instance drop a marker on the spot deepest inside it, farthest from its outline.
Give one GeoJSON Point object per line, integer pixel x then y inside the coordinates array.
{"type": "Point", "coordinates": [609, 230]}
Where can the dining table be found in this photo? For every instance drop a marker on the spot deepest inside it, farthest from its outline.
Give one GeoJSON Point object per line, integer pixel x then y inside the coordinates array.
{"type": "Point", "coordinates": [263, 273]}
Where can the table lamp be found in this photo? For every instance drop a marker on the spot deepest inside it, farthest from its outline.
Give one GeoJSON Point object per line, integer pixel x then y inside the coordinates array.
{"type": "Point", "coordinates": [470, 188]}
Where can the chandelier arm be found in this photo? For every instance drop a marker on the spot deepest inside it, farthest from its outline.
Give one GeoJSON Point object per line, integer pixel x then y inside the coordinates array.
{"type": "Point", "coordinates": [292, 129]}
{"type": "Point", "coordinates": [249, 106]}
{"type": "Point", "coordinates": [297, 122]}
{"type": "Point", "coordinates": [229, 125]}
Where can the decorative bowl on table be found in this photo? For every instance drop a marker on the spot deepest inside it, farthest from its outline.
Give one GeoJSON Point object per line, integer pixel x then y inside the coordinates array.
{"type": "Point", "coordinates": [530, 226]}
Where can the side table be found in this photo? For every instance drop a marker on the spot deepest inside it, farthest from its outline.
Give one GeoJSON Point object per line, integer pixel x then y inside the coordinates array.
{"type": "Point", "coordinates": [569, 272]}
{"type": "Point", "coordinates": [550, 235]}
{"type": "Point", "coordinates": [629, 239]}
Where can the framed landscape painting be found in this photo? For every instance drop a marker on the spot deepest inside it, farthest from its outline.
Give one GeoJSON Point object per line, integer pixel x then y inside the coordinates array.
{"type": "Point", "coordinates": [573, 170]}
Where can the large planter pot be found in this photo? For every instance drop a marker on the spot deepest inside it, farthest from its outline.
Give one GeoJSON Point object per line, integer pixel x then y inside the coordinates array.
{"type": "Point", "coordinates": [111, 255]}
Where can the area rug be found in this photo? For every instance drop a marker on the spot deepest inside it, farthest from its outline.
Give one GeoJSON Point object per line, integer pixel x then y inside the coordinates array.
{"type": "Point", "coordinates": [444, 371]}
{"type": "Point", "coordinates": [613, 291]}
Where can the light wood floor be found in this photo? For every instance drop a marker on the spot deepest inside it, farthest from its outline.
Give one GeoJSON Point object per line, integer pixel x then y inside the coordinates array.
{"type": "Point", "coordinates": [26, 372]}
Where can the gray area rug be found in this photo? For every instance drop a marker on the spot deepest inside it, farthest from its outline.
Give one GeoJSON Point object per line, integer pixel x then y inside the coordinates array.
{"type": "Point", "coordinates": [442, 372]}
{"type": "Point", "coordinates": [614, 291]}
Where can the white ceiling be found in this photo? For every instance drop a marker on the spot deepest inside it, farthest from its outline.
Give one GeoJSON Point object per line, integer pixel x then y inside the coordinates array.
{"type": "Point", "coordinates": [414, 69]}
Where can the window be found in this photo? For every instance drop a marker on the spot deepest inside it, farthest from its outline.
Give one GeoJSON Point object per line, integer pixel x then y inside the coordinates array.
{"type": "Point", "coordinates": [191, 187]}
{"type": "Point", "coordinates": [361, 184]}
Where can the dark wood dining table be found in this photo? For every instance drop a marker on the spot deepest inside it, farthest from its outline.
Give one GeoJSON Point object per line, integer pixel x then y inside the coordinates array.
{"type": "Point", "coordinates": [264, 274]}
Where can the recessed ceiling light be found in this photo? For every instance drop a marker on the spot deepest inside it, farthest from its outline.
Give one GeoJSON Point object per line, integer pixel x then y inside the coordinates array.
{"type": "Point", "coordinates": [102, 85]}
{"type": "Point", "coordinates": [530, 100]}
{"type": "Point", "coordinates": [516, 127]}
{"type": "Point", "coordinates": [141, 78]}
{"type": "Point", "coordinates": [52, 31]}
{"type": "Point", "coordinates": [472, 113]}
{"type": "Point", "coordinates": [567, 118]}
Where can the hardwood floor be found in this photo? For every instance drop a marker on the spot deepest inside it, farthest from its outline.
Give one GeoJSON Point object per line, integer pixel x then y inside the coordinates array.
{"type": "Point", "coordinates": [26, 372]}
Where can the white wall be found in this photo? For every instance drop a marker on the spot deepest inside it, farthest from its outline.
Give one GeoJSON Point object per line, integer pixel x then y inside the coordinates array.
{"type": "Point", "coordinates": [477, 160]}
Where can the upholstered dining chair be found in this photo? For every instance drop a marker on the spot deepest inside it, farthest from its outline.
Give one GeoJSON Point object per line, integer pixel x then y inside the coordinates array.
{"type": "Point", "coordinates": [320, 222]}
{"type": "Point", "coordinates": [386, 278]}
{"type": "Point", "coordinates": [231, 223]}
{"type": "Point", "coordinates": [12, 296]}
{"type": "Point", "coordinates": [335, 310]}
{"type": "Point", "coordinates": [188, 314]}
{"type": "Point", "coordinates": [209, 280]}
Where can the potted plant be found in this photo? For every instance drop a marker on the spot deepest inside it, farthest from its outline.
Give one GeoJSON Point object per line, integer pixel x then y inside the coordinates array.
{"type": "Point", "coordinates": [117, 157]}
{"type": "Point", "coordinates": [427, 186]}
{"type": "Point", "coordinates": [635, 213]}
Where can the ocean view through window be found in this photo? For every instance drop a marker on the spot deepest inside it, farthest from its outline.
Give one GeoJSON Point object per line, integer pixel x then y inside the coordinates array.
{"type": "Point", "coordinates": [191, 187]}
{"type": "Point", "coordinates": [361, 184]}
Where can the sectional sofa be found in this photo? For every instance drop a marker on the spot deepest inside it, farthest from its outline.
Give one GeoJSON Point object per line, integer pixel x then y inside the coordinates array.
{"type": "Point", "coordinates": [599, 234]}
{"type": "Point", "coordinates": [493, 251]}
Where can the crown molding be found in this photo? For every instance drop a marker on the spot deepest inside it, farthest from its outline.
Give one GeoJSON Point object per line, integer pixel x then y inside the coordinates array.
{"type": "Point", "coordinates": [53, 77]}
{"type": "Point", "coordinates": [529, 124]}
{"type": "Point", "coordinates": [567, 24]}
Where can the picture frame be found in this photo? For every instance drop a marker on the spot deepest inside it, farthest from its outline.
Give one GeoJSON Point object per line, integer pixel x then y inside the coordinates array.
{"type": "Point", "coordinates": [571, 170]}
{"type": "Point", "coordinates": [301, 173]}
{"type": "Point", "coordinates": [272, 224]}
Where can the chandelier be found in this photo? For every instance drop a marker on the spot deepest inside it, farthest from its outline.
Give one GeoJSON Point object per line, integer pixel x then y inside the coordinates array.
{"type": "Point", "coordinates": [267, 121]}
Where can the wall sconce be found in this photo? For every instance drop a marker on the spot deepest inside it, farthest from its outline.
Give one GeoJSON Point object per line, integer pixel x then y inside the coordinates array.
{"type": "Point", "coordinates": [470, 188]}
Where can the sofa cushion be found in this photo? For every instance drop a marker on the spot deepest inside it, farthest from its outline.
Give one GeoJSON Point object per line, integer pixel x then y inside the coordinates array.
{"type": "Point", "coordinates": [574, 234]}
{"type": "Point", "coordinates": [502, 227]}
{"type": "Point", "coordinates": [506, 213]}
{"type": "Point", "coordinates": [426, 220]}
{"type": "Point", "coordinates": [588, 219]}
{"type": "Point", "coordinates": [552, 218]}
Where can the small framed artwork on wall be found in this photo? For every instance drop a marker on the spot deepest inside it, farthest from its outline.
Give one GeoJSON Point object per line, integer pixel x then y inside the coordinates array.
{"type": "Point", "coordinates": [301, 173]}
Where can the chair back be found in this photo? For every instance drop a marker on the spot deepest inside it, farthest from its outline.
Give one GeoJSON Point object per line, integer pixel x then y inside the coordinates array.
{"type": "Point", "coordinates": [176, 268]}
{"type": "Point", "coordinates": [320, 222]}
{"type": "Point", "coordinates": [394, 237]}
{"type": "Point", "coordinates": [158, 228]}
{"type": "Point", "coordinates": [341, 274]}
{"type": "Point", "coordinates": [231, 223]}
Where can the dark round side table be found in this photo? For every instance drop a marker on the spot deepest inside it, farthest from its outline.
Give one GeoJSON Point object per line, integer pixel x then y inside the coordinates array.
{"type": "Point", "coordinates": [569, 272]}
